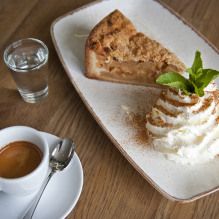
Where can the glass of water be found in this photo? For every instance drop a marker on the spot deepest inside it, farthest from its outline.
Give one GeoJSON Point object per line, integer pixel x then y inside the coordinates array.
{"type": "Point", "coordinates": [27, 60]}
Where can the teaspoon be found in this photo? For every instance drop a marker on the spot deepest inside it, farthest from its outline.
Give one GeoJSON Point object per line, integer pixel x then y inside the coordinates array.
{"type": "Point", "coordinates": [59, 160]}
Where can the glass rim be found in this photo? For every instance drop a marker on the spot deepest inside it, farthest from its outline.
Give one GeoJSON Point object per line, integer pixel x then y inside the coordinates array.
{"type": "Point", "coordinates": [5, 56]}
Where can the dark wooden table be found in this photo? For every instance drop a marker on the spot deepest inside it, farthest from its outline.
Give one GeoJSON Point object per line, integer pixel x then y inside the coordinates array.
{"type": "Point", "coordinates": [112, 187]}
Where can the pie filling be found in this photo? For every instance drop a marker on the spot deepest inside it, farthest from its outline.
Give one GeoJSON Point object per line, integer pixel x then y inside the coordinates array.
{"type": "Point", "coordinates": [133, 71]}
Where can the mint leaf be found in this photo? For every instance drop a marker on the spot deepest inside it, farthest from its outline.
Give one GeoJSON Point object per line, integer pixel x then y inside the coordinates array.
{"type": "Point", "coordinates": [174, 79]}
{"type": "Point", "coordinates": [189, 70]}
{"type": "Point", "coordinates": [192, 76]}
{"type": "Point", "coordinates": [208, 76]}
{"type": "Point", "coordinates": [197, 64]}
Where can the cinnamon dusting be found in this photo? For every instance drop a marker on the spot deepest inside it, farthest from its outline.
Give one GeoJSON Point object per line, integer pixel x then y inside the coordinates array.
{"type": "Point", "coordinates": [175, 103]}
{"type": "Point", "coordinates": [137, 121]}
{"type": "Point", "coordinates": [165, 112]}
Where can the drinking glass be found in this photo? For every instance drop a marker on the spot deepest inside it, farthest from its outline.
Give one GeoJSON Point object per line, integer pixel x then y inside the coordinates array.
{"type": "Point", "coordinates": [27, 60]}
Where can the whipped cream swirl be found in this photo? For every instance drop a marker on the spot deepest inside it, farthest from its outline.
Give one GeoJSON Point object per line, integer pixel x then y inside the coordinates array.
{"type": "Point", "coordinates": [186, 128]}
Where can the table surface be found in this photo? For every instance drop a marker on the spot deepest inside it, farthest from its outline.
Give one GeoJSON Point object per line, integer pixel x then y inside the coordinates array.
{"type": "Point", "coordinates": [112, 187]}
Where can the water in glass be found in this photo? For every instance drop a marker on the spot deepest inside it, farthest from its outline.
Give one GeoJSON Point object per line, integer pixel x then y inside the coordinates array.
{"type": "Point", "coordinates": [32, 82]}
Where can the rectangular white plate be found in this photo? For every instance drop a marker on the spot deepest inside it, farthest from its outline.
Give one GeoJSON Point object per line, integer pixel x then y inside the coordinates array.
{"type": "Point", "coordinates": [120, 109]}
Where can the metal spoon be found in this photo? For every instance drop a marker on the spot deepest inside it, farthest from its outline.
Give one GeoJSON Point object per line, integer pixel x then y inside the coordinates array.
{"type": "Point", "coordinates": [59, 160]}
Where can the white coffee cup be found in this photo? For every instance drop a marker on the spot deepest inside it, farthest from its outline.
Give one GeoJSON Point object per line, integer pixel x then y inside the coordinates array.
{"type": "Point", "coordinates": [31, 182]}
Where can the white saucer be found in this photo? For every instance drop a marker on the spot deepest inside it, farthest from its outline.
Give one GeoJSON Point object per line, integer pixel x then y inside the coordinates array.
{"type": "Point", "coordinates": [59, 197]}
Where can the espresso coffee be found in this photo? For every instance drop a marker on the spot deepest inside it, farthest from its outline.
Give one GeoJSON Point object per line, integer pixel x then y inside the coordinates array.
{"type": "Point", "coordinates": [18, 159]}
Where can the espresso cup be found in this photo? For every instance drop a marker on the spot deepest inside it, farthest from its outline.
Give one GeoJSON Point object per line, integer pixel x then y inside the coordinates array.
{"type": "Point", "coordinates": [31, 182]}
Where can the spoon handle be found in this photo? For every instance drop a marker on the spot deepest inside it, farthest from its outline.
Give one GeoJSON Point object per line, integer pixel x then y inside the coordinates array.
{"type": "Point", "coordinates": [30, 212]}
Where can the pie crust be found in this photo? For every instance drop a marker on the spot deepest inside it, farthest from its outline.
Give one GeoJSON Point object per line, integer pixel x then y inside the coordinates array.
{"type": "Point", "coordinates": [116, 52]}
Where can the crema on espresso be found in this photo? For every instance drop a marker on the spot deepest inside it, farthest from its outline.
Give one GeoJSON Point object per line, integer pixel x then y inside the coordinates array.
{"type": "Point", "coordinates": [18, 159]}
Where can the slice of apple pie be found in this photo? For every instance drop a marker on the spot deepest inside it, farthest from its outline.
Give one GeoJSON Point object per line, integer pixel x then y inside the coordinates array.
{"type": "Point", "coordinates": [116, 52]}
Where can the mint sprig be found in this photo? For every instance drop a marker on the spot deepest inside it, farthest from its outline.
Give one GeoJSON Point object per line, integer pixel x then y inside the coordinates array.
{"type": "Point", "coordinates": [199, 78]}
